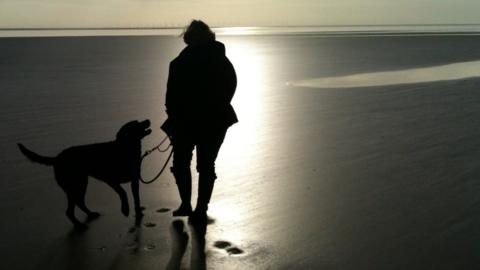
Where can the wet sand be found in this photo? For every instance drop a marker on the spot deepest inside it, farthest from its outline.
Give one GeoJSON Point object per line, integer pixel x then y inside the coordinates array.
{"type": "Point", "coordinates": [381, 177]}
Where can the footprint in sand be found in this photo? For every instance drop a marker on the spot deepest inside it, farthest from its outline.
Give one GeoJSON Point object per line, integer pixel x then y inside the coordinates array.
{"type": "Point", "coordinates": [150, 246]}
{"type": "Point", "coordinates": [101, 248]}
{"type": "Point", "coordinates": [149, 224]}
{"type": "Point", "coordinates": [131, 246]}
{"type": "Point", "coordinates": [163, 210]}
{"type": "Point", "coordinates": [222, 244]}
{"type": "Point", "coordinates": [234, 251]}
{"type": "Point", "coordinates": [228, 247]}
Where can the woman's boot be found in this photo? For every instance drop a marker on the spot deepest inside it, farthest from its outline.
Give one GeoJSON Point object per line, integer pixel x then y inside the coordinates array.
{"type": "Point", "coordinates": [183, 179]}
{"type": "Point", "coordinates": [205, 189]}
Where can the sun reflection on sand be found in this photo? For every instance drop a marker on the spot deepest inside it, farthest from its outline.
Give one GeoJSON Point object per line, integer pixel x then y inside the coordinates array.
{"type": "Point", "coordinates": [231, 205]}
{"type": "Point", "coordinates": [448, 72]}
{"type": "Point", "coordinates": [248, 103]}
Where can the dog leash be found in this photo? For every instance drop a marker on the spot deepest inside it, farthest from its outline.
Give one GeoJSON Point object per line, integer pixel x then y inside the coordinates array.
{"type": "Point", "coordinates": [148, 152]}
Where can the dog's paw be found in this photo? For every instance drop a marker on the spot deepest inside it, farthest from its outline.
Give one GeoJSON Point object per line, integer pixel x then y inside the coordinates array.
{"type": "Point", "coordinates": [125, 210]}
{"type": "Point", "coordinates": [93, 215]}
{"type": "Point", "coordinates": [80, 227]}
{"type": "Point", "coordinates": [139, 211]}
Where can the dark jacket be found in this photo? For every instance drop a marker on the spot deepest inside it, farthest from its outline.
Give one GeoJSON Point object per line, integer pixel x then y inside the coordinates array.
{"type": "Point", "coordinates": [201, 84]}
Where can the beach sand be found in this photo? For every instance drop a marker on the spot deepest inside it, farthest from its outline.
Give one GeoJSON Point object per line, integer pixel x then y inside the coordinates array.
{"type": "Point", "coordinates": [381, 177]}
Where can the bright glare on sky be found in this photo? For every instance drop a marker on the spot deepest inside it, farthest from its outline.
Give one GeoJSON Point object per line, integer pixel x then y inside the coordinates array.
{"type": "Point", "coordinates": [175, 13]}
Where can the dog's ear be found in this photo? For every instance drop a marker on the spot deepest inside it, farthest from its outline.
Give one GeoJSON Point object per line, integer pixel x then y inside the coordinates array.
{"type": "Point", "coordinates": [145, 128]}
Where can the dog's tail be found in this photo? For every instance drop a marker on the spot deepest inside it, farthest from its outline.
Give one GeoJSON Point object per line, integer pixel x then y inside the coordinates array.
{"type": "Point", "coordinates": [49, 161]}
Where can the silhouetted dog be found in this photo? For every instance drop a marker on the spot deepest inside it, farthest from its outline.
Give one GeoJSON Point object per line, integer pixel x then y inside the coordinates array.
{"type": "Point", "coordinates": [113, 162]}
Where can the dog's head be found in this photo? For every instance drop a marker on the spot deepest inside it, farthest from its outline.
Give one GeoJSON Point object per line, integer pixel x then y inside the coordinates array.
{"type": "Point", "coordinates": [134, 131]}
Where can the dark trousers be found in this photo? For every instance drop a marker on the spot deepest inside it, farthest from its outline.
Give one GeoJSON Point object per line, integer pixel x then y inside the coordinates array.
{"type": "Point", "coordinates": [207, 144]}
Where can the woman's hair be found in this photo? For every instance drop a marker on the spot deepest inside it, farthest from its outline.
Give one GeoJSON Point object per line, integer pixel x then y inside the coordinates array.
{"type": "Point", "coordinates": [197, 33]}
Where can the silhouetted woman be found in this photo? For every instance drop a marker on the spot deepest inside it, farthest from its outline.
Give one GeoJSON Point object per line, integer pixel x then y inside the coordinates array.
{"type": "Point", "coordinates": [201, 84]}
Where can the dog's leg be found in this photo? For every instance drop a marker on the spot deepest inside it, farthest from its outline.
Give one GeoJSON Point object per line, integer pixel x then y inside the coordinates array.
{"type": "Point", "coordinates": [136, 197]}
{"type": "Point", "coordinates": [123, 198]}
{"type": "Point", "coordinates": [80, 199]}
{"type": "Point", "coordinates": [70, 188]}
{"type": "Point", "coordinates": [70, 213]}
{"type": "Point", "coordinates": [90, 214]}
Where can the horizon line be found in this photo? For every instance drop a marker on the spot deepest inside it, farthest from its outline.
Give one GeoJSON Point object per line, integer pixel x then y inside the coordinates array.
{"type": "Point", "coordinates": [324, 30]}
{"type": "Point", "coordinates": [221, 27]}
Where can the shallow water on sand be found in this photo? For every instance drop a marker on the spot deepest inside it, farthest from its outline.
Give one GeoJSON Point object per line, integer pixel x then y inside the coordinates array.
{"type": "Point", "coordinates": [354, 178]}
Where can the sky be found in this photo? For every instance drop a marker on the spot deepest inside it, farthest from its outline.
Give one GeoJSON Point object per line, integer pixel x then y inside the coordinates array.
{"type": "Point", "coordinates": [228, 13]}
